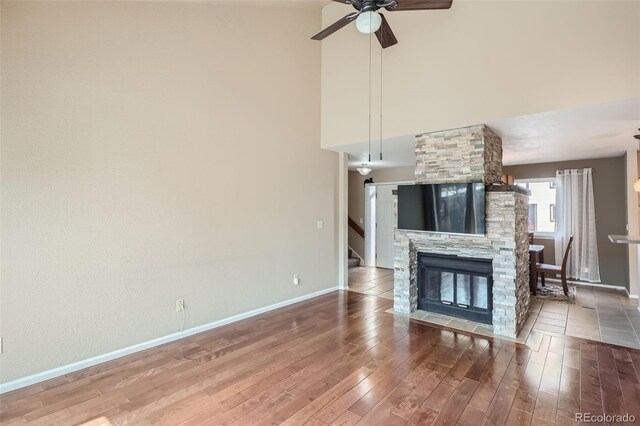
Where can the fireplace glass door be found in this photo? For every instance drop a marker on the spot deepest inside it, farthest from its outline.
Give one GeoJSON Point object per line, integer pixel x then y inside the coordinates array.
{"type": "Point", "coordinates": [455, 286]}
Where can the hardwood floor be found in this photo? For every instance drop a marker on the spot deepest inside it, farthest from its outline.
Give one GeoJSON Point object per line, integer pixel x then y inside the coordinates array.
{"type": "Point", "coordinates": [341, 359]}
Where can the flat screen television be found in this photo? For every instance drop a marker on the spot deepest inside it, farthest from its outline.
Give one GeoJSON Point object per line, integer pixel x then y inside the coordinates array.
{"type": "Point", "coordinates": [452, 208]}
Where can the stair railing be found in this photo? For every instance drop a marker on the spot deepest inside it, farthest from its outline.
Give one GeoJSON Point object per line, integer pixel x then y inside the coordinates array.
{"type": "Point", "coordinates": [356, 227]}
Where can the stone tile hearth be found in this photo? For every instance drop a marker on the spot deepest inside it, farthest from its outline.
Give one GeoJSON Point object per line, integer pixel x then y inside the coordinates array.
{"type": "Point", "coordinates": [598, 314]}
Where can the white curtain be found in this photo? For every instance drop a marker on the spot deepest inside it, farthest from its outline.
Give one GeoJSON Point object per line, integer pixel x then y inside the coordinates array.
{"type": "Point", "coordinates": [575, 215]}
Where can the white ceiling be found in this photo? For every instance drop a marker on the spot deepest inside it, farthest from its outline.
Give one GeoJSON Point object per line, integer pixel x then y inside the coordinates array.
{"type": "Point", "coordinates": [596, 131]}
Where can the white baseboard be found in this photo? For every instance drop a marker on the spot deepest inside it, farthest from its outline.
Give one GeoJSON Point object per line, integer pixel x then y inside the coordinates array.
{"type": "Point", "coordinates": [586, 284]}
{"type": "Point", "coordinates": [79, 365]}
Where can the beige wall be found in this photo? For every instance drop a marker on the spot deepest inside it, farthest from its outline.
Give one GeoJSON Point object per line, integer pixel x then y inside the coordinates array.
{"type": "Point", "coordinates": [153, 151]}
{"type": "Point", "coordinates": [477, 62]}
{"type": "Point", "coordinates": [356, 197]}
{"type": "Point", "coordinates": [610, 205]}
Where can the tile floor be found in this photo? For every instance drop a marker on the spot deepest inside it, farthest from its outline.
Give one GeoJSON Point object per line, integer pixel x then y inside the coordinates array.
{"type": "Point", "coordinates": [372, 281]}
{"type": "Point", "coordinates": [603, 315]}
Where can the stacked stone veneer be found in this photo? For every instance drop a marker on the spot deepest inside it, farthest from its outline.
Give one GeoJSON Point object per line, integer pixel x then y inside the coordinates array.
{"type": "Point", "coordinates": [471, 154]}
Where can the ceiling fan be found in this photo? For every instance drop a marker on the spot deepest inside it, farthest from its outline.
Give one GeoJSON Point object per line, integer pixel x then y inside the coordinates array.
{"type": "Point", "coordinates": [368, 20]}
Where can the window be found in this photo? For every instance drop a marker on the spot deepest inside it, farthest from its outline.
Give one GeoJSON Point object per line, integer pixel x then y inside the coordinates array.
{"type": "Point", "coordinates": [533, 217]}
{"type": "Point", "coordinates": [542, 205]}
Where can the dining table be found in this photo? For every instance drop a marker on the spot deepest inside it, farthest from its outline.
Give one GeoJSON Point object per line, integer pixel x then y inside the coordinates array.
{"type": "Point", "coordinates": [536, 255]}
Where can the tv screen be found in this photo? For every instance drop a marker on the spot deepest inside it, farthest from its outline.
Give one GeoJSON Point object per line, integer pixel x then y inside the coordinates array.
{"type": "Point", "coordinates": [453, 208]}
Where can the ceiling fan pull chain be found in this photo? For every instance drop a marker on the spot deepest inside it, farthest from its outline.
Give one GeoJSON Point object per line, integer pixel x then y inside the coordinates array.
{"type": "Point", "coordinates": [370, 35]}
{"type": "Point", "coordinates": [381, 50]}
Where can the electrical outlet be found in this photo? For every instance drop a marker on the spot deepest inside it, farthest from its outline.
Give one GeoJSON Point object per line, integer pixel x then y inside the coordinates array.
{"type": "Point", "coordinates": [179, 305]}
{"type": "Point", "coordinates": [296, 280]}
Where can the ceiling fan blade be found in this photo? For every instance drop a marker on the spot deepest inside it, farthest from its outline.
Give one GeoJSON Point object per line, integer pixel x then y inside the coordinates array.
{"type": "Point", "coordinates": [420, 5]}
{"type": "Point", "coordinates": [385, 35]}
{"type": "Point", "coordinates": [335, 26]}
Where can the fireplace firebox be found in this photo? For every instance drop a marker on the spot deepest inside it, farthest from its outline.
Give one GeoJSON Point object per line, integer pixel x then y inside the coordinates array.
{"type": "Point", "coordinates": [456, 286]}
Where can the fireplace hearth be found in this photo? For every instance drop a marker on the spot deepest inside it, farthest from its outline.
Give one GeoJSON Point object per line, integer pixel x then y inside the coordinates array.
{"type": "Point", "coordinates": [456, 286]}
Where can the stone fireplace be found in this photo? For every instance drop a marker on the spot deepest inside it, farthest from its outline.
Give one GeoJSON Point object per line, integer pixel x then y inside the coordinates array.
{"type": "Point", "coordinates": [493, 287]}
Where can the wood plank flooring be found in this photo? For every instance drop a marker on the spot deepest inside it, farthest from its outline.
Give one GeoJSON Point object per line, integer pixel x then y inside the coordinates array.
{"type": "Point", "coordinates": [341, 359]}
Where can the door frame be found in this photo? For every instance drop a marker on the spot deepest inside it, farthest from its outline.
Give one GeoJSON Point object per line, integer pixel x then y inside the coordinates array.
{"type": "Point", "coordinates": [342, 231]}
{"type": "Point", "coordinates": [370, 191]}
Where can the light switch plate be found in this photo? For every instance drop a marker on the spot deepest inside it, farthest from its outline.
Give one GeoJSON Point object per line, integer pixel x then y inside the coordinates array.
{"type": "Point", "coordinates": [319, 224]}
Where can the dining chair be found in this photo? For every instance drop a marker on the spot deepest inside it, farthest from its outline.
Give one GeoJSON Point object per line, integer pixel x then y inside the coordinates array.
{"type": "Point", "coordinates": [531, 237]}
{"type": "Point", "coordinates": [545, 268]}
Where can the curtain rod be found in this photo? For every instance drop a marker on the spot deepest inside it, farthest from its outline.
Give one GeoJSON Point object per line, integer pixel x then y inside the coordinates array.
{"type": "Point", "coordinates": [580, 170]}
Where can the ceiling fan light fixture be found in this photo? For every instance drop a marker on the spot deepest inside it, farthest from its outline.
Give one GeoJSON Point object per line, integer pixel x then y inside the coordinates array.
{"type": "Point", "coordinates": [364, 169]}
{"type": "Point", "coordinates": [368, 22]}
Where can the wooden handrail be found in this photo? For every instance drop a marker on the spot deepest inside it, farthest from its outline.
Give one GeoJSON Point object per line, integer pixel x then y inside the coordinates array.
{"type": "Point", "coordinates": [353, 224]}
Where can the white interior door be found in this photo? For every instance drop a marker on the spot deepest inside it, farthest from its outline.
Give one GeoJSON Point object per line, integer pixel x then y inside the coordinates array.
{"type": "Point", "coordinates": [384, 225]}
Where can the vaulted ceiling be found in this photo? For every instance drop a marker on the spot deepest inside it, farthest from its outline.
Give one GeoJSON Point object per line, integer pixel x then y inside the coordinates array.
{"type": "Point", "coordinates": [558, 79]}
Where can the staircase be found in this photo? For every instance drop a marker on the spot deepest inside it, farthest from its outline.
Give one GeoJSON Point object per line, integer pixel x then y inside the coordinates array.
{"type": "Point", "coordinates": [353, 260]}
